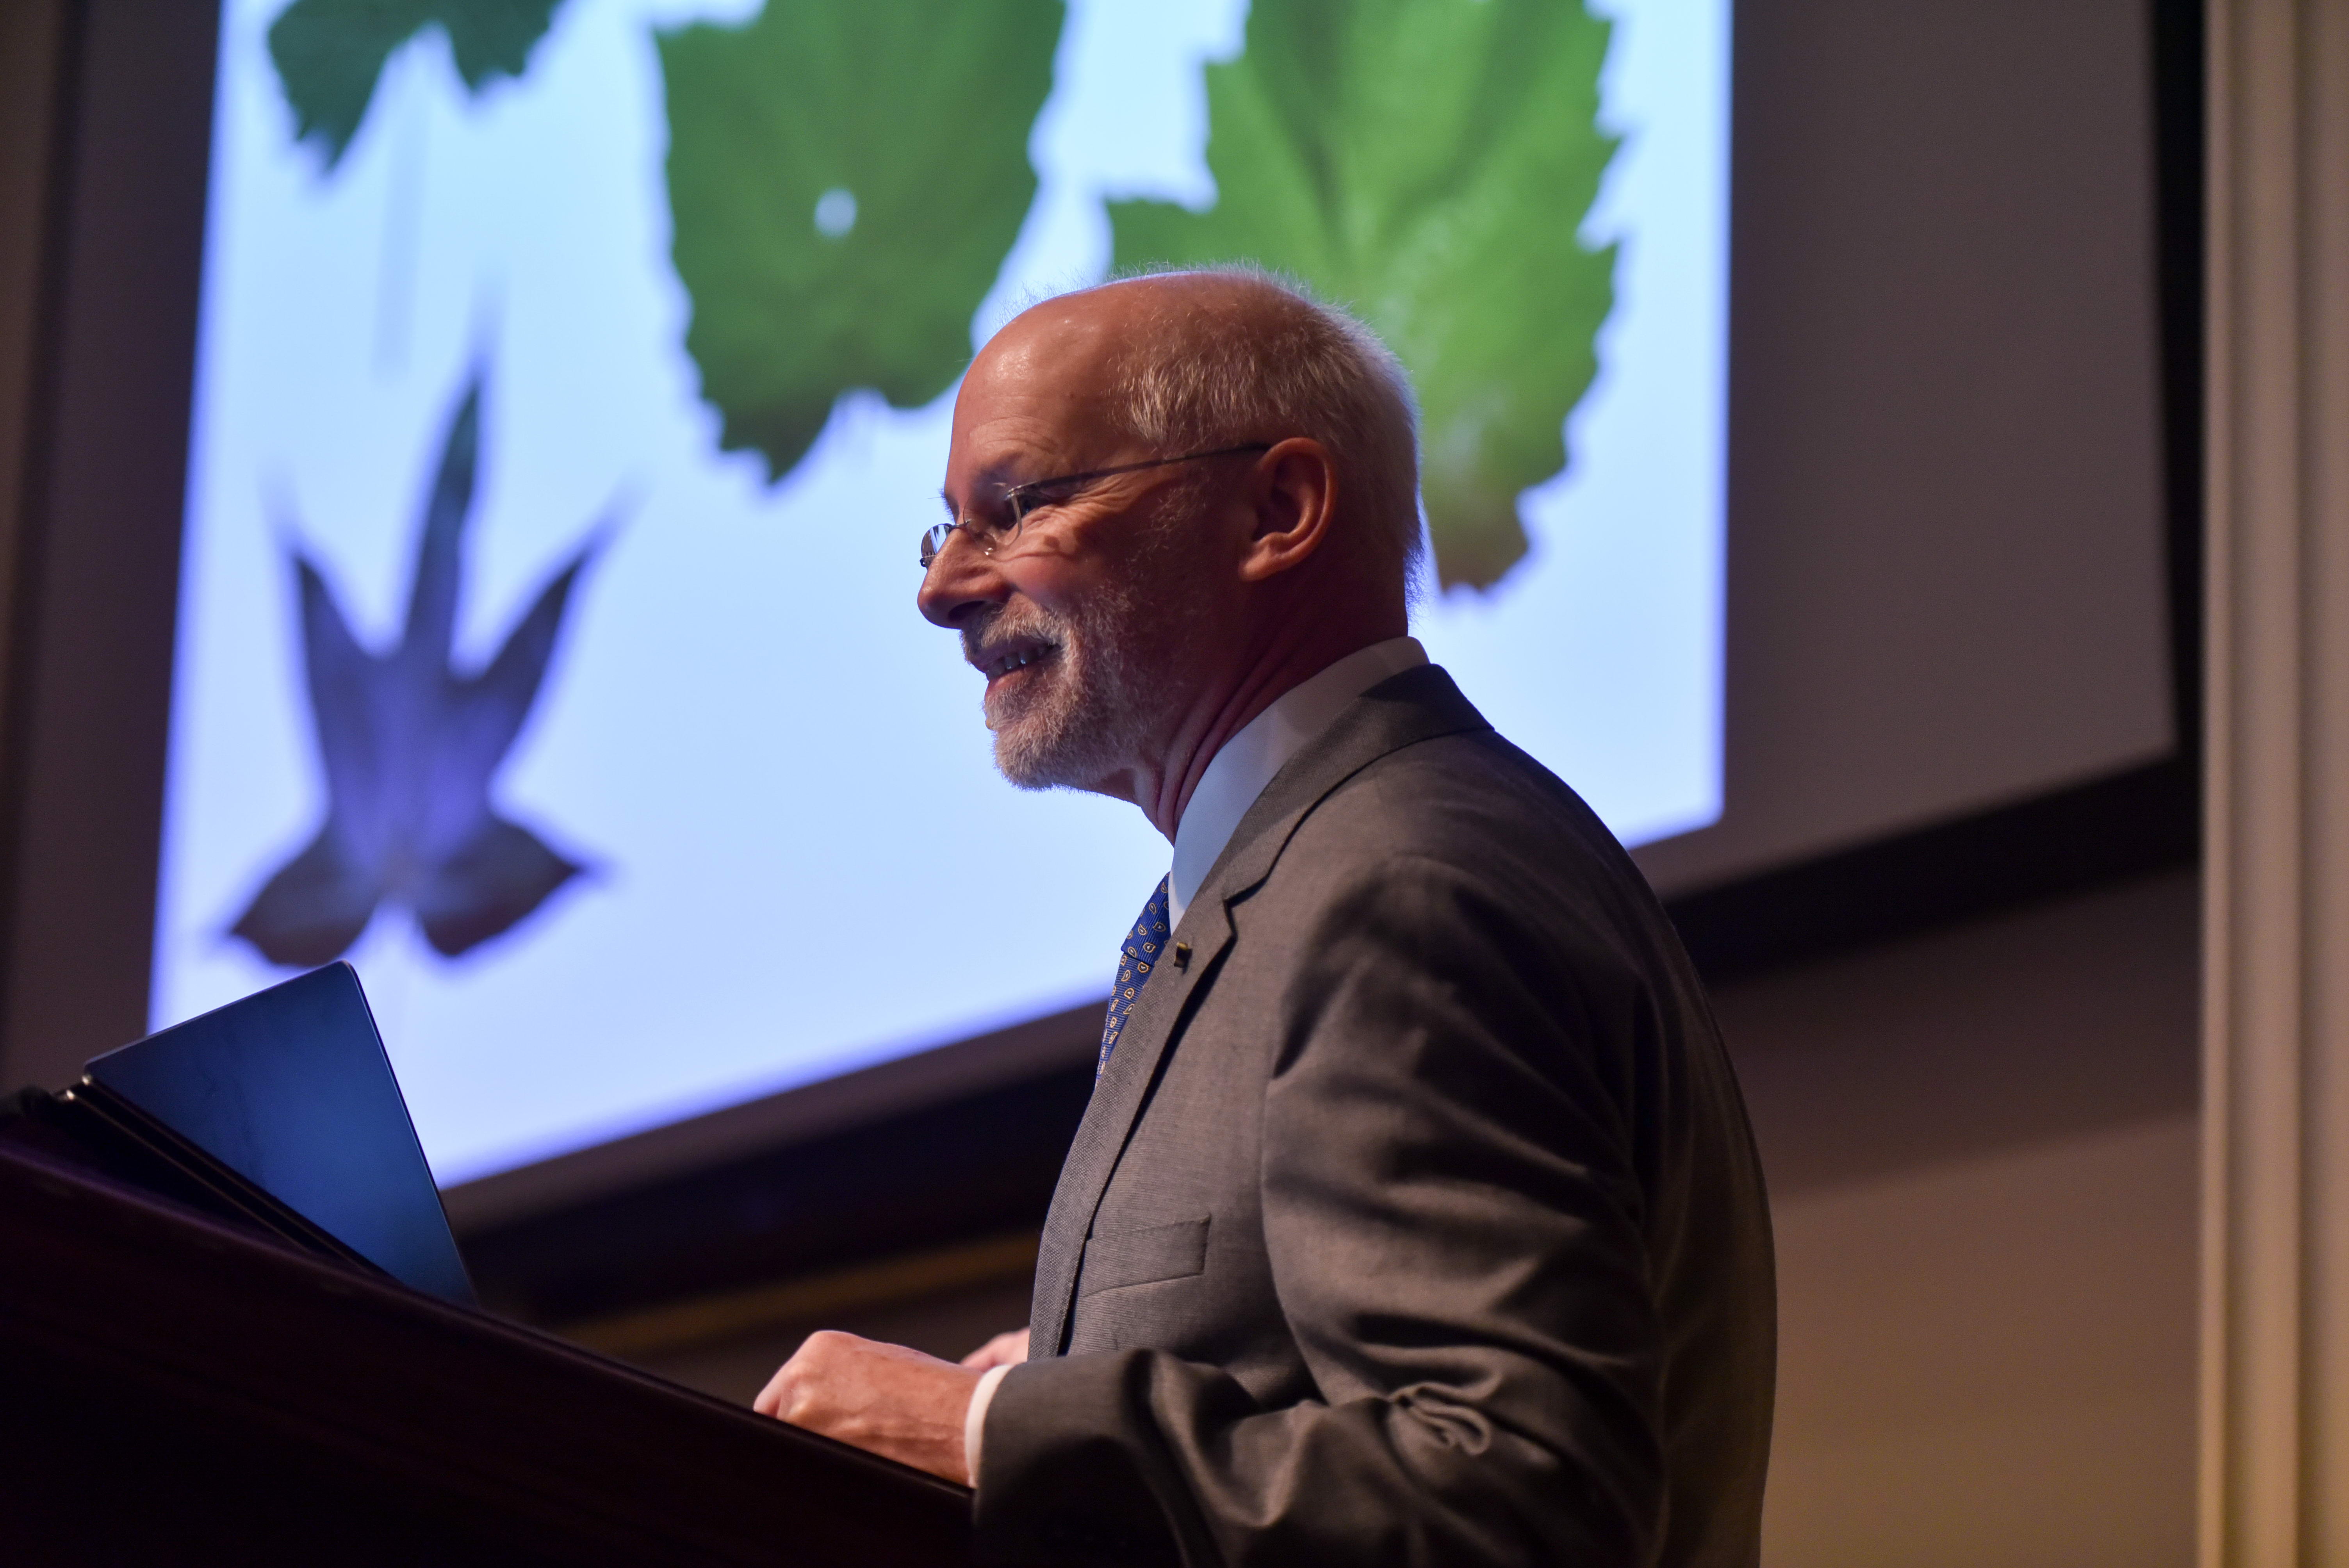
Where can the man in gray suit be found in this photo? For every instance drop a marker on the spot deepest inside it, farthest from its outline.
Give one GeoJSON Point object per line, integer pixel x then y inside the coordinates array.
{"type": "Point", "coordinates": [1415, 1218]}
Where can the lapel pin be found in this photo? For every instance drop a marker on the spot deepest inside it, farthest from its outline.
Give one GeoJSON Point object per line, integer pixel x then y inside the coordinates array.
{"type": "Point", "coordinates": [1181, 955]}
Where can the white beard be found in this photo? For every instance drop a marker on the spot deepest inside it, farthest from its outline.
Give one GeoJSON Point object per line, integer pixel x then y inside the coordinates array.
{"type": "Point", "coordinates": [1118, 664]}
{"type": "Point", "coordinates": [1084, 713]}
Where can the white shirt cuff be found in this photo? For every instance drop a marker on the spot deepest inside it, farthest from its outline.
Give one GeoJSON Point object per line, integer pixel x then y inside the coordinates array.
{"type": "Point", "coordinates": [974, 1420]}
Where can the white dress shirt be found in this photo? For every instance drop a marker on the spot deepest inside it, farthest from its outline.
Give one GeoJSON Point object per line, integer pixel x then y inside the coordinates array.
{"type": "Point", "coordinates": [1225, 792]}
{"type": "Point", "coordinates": [1261, 749]}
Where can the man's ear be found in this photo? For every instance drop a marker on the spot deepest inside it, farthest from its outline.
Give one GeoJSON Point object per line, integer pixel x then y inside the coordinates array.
{"type": "Point", "coordinates": [1295, 492]}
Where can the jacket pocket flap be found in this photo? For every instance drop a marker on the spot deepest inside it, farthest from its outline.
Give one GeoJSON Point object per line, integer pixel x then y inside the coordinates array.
{"type": "Point", "coordinates": [1140, 1257]}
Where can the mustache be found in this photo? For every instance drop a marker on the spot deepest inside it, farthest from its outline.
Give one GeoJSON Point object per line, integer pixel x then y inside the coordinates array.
{"type": "Point", "coordinates": [987, 638]}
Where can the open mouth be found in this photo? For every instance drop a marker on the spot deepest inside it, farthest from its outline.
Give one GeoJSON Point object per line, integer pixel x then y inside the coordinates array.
{"type": "Point", "coordinates": [1017, 656]}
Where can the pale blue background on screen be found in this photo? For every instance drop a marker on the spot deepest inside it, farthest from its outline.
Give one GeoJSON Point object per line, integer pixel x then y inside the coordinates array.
{"type": "Point", "coordinates": [802, 859]}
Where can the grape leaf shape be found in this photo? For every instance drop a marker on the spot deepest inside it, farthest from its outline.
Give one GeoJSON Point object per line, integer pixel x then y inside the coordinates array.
{"type": "Point", "coordinates": [330, 54]}
{"type": "Point", "coordinates": [1429, 163]}
{"type": "Point", "coordinates": [845, 180]}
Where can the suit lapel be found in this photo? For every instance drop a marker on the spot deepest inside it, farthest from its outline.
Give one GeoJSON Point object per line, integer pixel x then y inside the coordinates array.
{"type": "Point", "coordinates": [1417, 704]}
{"type": "Point", "coordinates": [1109, 1116]}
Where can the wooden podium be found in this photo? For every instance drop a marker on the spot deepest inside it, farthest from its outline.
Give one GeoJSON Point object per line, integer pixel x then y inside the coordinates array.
{"type": "Point", "coordinates": [175, 1390]}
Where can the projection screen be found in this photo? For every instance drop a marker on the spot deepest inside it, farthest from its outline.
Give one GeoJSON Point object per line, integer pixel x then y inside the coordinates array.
{"type": "Point", "coordinates": [573, 381]}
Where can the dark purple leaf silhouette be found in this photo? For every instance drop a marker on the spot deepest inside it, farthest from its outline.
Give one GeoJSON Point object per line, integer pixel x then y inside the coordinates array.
{"type": "Point", "coordinates": [409, 748]}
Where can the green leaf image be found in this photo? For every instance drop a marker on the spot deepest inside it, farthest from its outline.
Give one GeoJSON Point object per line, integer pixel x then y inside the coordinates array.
{"type": "Point", "coordinates": [1427, 162]}
{"type": "Point", "coordinates": [845, 179]}
{"type": "Point", "coordinates": [329, 53]}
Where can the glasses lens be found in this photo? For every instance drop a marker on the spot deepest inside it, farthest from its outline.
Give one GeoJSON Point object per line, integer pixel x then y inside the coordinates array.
{"type": "Point", "coordinates": [990, 537]}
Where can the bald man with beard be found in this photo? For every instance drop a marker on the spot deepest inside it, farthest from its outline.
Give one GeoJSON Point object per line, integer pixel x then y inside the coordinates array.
{"type": "Point", "coordinates": [1414, 1218]}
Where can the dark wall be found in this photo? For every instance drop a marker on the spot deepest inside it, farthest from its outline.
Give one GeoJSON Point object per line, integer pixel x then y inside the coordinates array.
{"type": "Point", "coordinates": [34, 46]}
{"type": "Point", "coordinates": [87, 676]}
{"type": "Point", "coordinates": [1947, 540]}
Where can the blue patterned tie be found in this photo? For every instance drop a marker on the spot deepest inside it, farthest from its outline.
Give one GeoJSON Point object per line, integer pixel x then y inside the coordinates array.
{"type": "Point", "coordinates": [1140, 951]}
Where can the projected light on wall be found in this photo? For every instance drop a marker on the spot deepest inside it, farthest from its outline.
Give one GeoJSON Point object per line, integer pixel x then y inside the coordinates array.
{"type": "Point", "coordinates": [629, 809]}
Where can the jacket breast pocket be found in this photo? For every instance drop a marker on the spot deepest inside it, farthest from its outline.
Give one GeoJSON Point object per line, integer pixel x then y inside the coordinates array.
{"type": "Point", "coordinates": [1146, 1256]}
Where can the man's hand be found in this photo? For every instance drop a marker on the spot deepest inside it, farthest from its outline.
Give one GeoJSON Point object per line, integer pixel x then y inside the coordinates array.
{"type": "Point", "coordinates": [1006, 1350]}
{"type": "Point", "coordinates": [884, 1398]}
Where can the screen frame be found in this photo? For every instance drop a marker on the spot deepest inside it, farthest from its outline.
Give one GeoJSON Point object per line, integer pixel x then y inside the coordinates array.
{"type": "Point", "coordinates": [93, 582]}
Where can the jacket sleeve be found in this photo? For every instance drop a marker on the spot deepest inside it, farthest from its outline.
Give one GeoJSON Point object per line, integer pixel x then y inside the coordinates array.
{"type": "Point", "coordinates": [1453, 1186]}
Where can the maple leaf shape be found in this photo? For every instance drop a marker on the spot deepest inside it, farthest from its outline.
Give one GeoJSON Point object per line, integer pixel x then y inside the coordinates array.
{"type": "Point", "coordinates": [409, 748]}
{"type": "Point", "coordinates": [1429, 163]}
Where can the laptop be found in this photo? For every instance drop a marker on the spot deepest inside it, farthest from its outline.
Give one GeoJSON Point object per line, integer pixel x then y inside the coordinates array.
{"type": "Point", "coordinates": [282, 1110]}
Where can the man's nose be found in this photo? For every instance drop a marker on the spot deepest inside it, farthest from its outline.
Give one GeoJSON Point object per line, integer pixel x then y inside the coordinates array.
{"type": "Point", "coordinates": [961, 580]}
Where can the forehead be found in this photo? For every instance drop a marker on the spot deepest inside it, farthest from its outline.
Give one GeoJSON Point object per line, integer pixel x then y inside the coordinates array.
{"type": "Point", "coordinates": [1041, 392]}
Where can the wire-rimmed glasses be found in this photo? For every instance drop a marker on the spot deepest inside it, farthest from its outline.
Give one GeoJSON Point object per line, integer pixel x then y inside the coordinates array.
{"type": "Point", "coordinates": [991, 534]}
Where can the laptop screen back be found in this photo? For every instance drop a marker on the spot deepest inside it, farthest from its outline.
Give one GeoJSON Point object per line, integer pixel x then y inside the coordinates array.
{"type": "Point", "coordinates": [290, 1089]}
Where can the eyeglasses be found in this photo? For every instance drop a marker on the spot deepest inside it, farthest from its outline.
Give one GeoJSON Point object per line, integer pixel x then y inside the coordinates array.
{"type": "Point", "coordinates": [991, 534]}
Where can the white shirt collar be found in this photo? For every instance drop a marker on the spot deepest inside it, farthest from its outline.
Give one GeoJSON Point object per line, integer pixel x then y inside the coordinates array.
{"type": "Point", "coordinates": [1247, 761]}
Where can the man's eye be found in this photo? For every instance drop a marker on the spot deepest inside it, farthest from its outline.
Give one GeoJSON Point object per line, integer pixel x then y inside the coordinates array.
{"type": "Point", "coordinates": [1037, 497]}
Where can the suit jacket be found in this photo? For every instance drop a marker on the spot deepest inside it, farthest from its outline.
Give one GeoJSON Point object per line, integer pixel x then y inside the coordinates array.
{"type": "Point", "coordinates": [1415, 1219]}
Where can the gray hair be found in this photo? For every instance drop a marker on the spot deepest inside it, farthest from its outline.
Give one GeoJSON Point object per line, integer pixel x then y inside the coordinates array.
{"type": "Point", "coordinates": [1311, 369]}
